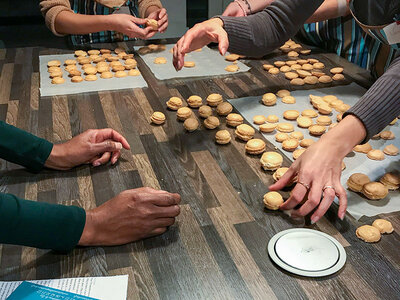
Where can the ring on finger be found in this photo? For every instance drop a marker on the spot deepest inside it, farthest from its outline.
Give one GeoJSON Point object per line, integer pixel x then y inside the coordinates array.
{"type": "Point", "coordinates": [327, 187]}
{"type": "Point", "coordinates": [304, 184]}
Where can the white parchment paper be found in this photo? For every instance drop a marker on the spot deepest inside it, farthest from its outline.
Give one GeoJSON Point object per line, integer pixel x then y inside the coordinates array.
{"type": "Point", "coordinates": [358, 205]}
{"type": "Point", "coordinates": [208, 63]}
{"type": "Point", "coordinates": [68, 87]}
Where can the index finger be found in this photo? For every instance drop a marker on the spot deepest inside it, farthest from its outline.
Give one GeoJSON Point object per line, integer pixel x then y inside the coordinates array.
{"type": "Point", "coordinates": [285, 179]}
{"type": "Point", "coordinates": [165, 199]}
{"type": "Point", "coordinates": [111, 134]}
{"type": "Point", "coordinates": [162, 13]}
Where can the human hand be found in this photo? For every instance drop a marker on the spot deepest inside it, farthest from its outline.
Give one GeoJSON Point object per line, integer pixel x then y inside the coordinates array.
{"type": "Point", "coordinates": [130, 216]}
{"type": "Point", "coordinates": [318, 168]}
{"type": "Point", "coordinates": [128, 25]}
{"type": "Point", "coordinates": [160, 15]}
{"type": "Point", "coordinates": [200, 35]}
{"type": "Point", "coordinates": [233, 10]}
{"type": "Point", "coordinates": [94, 146]}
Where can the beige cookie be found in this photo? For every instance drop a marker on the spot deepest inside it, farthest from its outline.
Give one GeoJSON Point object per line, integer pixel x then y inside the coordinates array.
{"type": "Point", "coordinates": [56, 74]}
{"type": "Point", "coordinates": [293, 54]}
{"type": "Point", "coordinates": [291, 114]}
{"type": "Point", "coordinates": [76, 79]}
{"type": "Point", "coordinates": [57, 69]}
{"type": "Point", "coordinates": [279, 63]}
{"type": "Point", "coordinates": [289, 100]}
{"type": "Point", "coordinates": [54, 63]}
{"type": "Point", "coordinates": [376, 154]}
{"type": "Point", "coordinates": [305, 143]}
{"type": "Point", "coordinates": [338, 77]}
{"type": "Point", "coordinates": [99, 59]}
{"type": "Point", "coordinates": [106, 75]}
{"type": "Point", "coordinates": [273, 71]}
{"type": "Point", "coordinates": [272, 119]}
{"type": "Point", "coordinates": [152, 23]}
{"type": "Point", "coordinates": [337, 70]}
{"type": "Point", "coordinates": [387, 135]}
{"type": "Point", "coordinates": [120, 74]}
{"type": "Point", "coordinates": [307, 67]}
{"type": "Point", "coordinates": [304, 122]}
{"type": "Point", "coordinates": [363, 148]}
{"type": "Point", "coordinates": [290, 144]}
{"type": "Point", "coordinates": [75, 73]}
{"type": "Point", "coordinates": [232, 57]}
{"type": "Point", "coordinates": [318, 65]}
{"type": "Point", "coordinates": [267, 127]}
{"type": "Point", "coordinates": [325, 79]}
{"type": "Point", "coordinates": [192, 64]}
{"type": "Point", "coordinates": [303, 73]}
{"type": "Point", "coordinates": [80, 53]}
{"type": "Point", "coordinates": [232, 68]}
{"type": "Point", "coordinates": [91, 78]}
{"type": "Point", "coordinates": [160, 60]}
{"type": "Point", "coordinates": [259, 119]}
{"type": "Point", "coordinates": [297, 81]}
{"type": "Point", "coordinates": [285, 69]}
{"type": "Point", "coordinates": [311, 80]}
{"type": "Point", "coordinates": [267, 67]}
{"type": "Point", "coordinates": [383, 226]}
{"type": "Point", "coordinates": [368, 234]}
{"type": "Point", "coordinates": [134, 72]}
{"type": "Point", "coordinates": [305, 51]}
{"type": "Point", "coordinates": [391, 150]}
{"type": "Point", "coordinates": [282, 93]}
{"type": "Point", "coordinates": [317, 130]}
{"type": "Point", "coordinates": [375, 190]}
{"type": "Point", "coordinates": [157, 118]}
{"type": "Point", "coordinates": [101, 69]}
{"type": "Point", "coordinates": [285, 127]}
{"type": "Point", "coordinates": [298, 135]}
{"type": "Point", "coordinates": [70, 62]}
{"type": "Point", "coordinates": [57, 80]}
{"type": "Point", "coordinates": [272, 200]}
{"type": "Point", "coordinates": [309, 113]}
{"type": "Point", "coordinates": [291, 75]}
{"type": "Point", "coordinates": [296, 67]}
{"type": "Point", "coordinates": [117, 68]}
{"type": "Point", "coordinates": [90, 70]}
{"type": "Point", "coordinates": [112, 58]}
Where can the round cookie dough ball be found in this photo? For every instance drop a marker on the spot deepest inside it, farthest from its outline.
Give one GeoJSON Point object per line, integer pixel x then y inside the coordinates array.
{"type": "Point", "coordinates": [273, 200]}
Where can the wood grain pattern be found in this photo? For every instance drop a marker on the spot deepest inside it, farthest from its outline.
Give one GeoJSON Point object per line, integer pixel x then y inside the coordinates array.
{"type": "Point", "coordinates": [217, 247]}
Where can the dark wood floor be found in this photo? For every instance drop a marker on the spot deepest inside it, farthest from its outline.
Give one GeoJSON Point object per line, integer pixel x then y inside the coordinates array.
{"type": "Point", "coordinates": [217, 249]}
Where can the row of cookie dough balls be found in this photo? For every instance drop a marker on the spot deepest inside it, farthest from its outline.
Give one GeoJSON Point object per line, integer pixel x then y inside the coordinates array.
{"type": "Point", "coordinates": [304, 71]}
{"type": "Point", "coordinates": [99, 58]}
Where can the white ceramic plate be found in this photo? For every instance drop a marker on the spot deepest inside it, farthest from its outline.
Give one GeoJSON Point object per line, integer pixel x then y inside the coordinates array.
{"type": "Point", "coordinates": [307, 252]}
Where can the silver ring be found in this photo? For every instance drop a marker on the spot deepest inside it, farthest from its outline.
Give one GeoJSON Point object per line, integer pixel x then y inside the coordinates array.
{"type": "Point", "coordinates": [304, 184]}
{"type": "Point", "coordinates": [328, 187]}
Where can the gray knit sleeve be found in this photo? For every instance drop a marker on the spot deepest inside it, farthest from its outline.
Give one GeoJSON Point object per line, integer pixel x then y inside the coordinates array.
{"type": "Point", "coordinates": [381, 103]}
{"type": "Point", "coordinates": [259, 34]}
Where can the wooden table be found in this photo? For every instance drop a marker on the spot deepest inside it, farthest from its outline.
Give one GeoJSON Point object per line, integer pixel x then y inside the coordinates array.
{"type": "Point", "coordinates": [217, 248]}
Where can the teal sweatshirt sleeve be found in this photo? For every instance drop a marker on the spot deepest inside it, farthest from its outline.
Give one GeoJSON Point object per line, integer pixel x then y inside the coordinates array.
{"type": "Point", "coordinates": [23, 148]}
{"type": "Point", "coordinates": [40, 225]}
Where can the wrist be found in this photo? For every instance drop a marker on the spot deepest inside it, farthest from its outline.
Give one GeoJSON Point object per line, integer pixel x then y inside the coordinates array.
{"type": "Point", "coordinates": [110, 22]}
{"type": "Point", "coordinates": [347, 134]}
{"type": "Point", "coordinates": [89, 231]}
{"type": "Point", "coordinates": [56, 158]}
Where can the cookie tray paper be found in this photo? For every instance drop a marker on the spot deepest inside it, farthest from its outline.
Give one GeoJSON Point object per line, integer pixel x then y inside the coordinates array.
{"type": "Point", "coordinates": [68, 87]}
{"type": "Point", "coordinates": [208, 63]}
{"type": "Point", "coordinates": [358, 205]}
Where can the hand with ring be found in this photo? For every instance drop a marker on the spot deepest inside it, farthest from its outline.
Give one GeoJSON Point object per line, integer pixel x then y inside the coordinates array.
{"type": "Point", "coordinates": [319, 169]}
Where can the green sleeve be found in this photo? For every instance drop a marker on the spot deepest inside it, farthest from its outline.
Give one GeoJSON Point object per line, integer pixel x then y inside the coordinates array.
{"type": "Point", "coordinates": [40, 225]}
{"type": "Point", "coordinates": [23, 148]}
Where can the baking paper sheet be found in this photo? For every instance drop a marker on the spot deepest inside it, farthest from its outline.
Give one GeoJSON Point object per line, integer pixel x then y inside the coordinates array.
{"type": "Point", "coordinates": [68, 87]}
{"type": "Point", "coordinates": [208, 63]}
{"type": "Point", "coordinates": [355, 162]}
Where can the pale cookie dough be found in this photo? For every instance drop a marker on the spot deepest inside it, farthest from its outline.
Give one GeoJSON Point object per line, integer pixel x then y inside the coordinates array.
{"type": "Point", "coordinates": [376, 154]}
{"type": "Point", "coordinates": [160, 60]}
{"type": "Point", "coordinates": [232, 57]}
{"type": "Point", "coordinates": [106, 75]}
{"type": "Point", "coordinates": [91, 78]}
{"type": "Point", "coordinates": [383, 226]}
{"type": "Point", "coordinates": [368, 234]}
{"type": "Point", "coordinates": [272, 200]}
{"type": "Point", "coordinates": [76, 79]}
{"type": "Point", "coordinates": [190, 64]}
{"type": "Point", "coordinates": [157, 118]}
{"type": "Point", "coordinates": [232, 68]}
{"type": "Point", "coordinates": [134, 72]}
{"type": "Point", "coordinates": [57, 80]}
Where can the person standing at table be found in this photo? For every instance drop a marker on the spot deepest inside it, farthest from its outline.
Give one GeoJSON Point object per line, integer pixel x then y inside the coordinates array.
{"type": "Point", "coordinates": [130, 216]}
{"type": "Point", "coordinates": [103, 21]}
{"type": "Point", "coordinates": [332, 28]}
{"type": "Point", "coordinates": [319, 168]}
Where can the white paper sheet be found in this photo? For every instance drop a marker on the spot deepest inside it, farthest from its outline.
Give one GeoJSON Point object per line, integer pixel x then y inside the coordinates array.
{"type": "Point", "coordinates": [358, 206]}
{"type": "Point", "coordinates": [104, 288]}
{"type": "Point", "coordinates": [208, 63]}
{"type": "Point", "coordinates": [68, 87]}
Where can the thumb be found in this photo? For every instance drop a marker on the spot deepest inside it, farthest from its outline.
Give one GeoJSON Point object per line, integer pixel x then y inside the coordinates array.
{"type": "Point", "coordinates": [106, 146]}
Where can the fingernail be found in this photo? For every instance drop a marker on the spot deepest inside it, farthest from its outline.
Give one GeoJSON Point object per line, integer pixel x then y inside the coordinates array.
{"type": "Point", "coordinates": [96, 164]}
{"type": "Point", "coordinates": [314, 220]}
{"type": "Point", "coordinates": [118, 146]}
{"type": "Point", "coordinates": [341, 217]}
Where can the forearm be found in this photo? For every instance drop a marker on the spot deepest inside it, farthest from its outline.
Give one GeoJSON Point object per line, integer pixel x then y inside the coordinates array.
{"type": "Point", "coordinates": [259, 34]}
{"type": "Point", "coordinates": [68, 22]}
{"type": "Point", "coordinates": [259, 5]}
{"type": "Point", "coordinates": [40, 225]}
{"type": "Point", "coordinates": [330, 9]}
{"type": "Point", "coordinates": [343, 137]}
{"type": "Point", "coordinates": [381, 103]}
{"type": "Point", "coordinates": [23, 148]}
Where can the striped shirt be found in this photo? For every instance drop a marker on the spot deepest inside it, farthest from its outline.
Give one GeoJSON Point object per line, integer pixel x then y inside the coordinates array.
{"type": "Point", "coordinates": [347, 39]}
{"type": "Point", "coordinates": [91, 7]}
